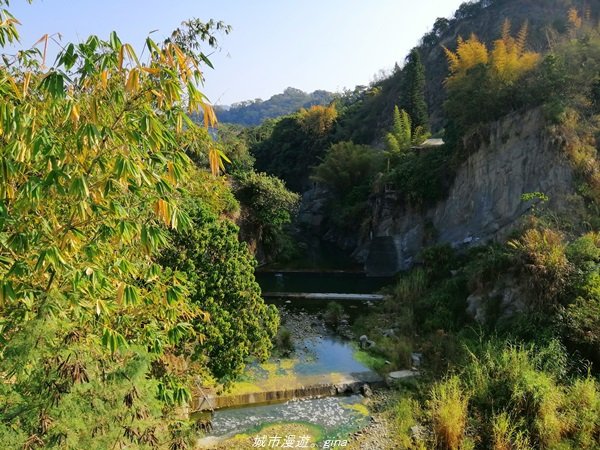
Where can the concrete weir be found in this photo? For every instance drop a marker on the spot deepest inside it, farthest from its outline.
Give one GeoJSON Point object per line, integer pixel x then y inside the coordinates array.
{"type": "Point", "coordinates": [323, 296]}
{"type": "Point", "coordinates": [309, 386]}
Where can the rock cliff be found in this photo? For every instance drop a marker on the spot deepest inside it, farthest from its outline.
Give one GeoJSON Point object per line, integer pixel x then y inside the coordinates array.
{"type": "Point", "coordinates": [484, 203]}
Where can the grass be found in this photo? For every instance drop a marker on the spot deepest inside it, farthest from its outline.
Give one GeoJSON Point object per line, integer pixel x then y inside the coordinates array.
{"type": "Point", "coordinates": [374, 362]}
{"type": "Point", "coordinates": [448, 409]}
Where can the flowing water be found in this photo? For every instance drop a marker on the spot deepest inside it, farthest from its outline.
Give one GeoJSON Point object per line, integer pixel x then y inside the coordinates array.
{"type": "Point", "coordinates": [334, 415]}
{"type": "Point", "coordinates": [318, 351]}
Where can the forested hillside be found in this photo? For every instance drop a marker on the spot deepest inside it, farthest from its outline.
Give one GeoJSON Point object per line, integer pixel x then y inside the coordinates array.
{"type": "Point", "coordinates": [370, 110]}
{"type": "Point", "coordinates": [254, 112]}
{"type": "Point", "coordinates": [546, 20]}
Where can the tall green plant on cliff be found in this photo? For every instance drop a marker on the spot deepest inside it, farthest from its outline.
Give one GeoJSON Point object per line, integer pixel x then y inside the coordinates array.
{"type": "Point", "coordinates": [267, 207]}
{"type": "Point", "coordinates": [93, 170]}
{"type": "Point", "coordinates": [402, 134]}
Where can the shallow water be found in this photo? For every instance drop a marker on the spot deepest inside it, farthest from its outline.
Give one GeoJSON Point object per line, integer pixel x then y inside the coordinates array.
{"type": "Point", "coordinates": [331, 414]}
{"type": "Point", "coordinates": [328, 354]}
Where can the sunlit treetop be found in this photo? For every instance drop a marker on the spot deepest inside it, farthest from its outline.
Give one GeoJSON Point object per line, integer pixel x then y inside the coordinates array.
{"type": "Point", "coordinates": [508, 59]}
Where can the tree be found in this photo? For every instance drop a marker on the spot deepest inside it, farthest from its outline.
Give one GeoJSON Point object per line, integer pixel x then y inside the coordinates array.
{"type": "Point", "coordinates": [507, 62]}
{"type": "Point", "coordinates": [413, 93]}
{"type": "Point", "coordinates": [93, 332]}
{"type": "Point", "coordinates": [221, 273]}
{"type": "Point", "coordinates": [318, 120]}
{"type": "Point", "coordinates": [401, 137]}
{"type": "Point", "coordinates": [348, 170]}
{"type": "Point", "coordinates": [267, 207]}
{"type": "Point", "coordinates": [483, 84]}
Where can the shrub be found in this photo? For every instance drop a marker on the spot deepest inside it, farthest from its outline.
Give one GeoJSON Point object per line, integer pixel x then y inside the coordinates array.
{"type": "Point", "coordinates": [348, 170]}
{"type": "Point", "coordinates": [583, 316]}
{"type": "Point", "coordinates": [543, 256]}
{"type": "Point", "coordinates": [333, 314]}
{"type": "Point", "coordinates": [439, 260]}
{"type": "Point", "coordinates": [583, 412]}
{"type": "Point", "coordinates": [397, 350]}
{"type": "Point", "coordinates": [404, 419]}
{"type": "Point", "coordinates": [284, 343]}
{"type": "Point", "coordinates": [584, 249]}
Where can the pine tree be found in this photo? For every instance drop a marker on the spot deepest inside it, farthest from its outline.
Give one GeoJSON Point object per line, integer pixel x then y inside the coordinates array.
{"type": "Point", "coordinates": [413, 92]}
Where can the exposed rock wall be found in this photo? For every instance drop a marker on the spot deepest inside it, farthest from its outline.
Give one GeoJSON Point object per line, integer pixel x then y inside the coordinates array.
{"type": "Point", "coordinates": [484, 202]}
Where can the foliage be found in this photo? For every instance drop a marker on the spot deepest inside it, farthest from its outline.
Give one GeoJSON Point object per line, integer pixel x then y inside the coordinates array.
{"type": "Point", "coordinates": [97, 338]}
{"type": "Point", "coordinates": [513, 397]}
{"type": "Point", "coordinates": [506, 436]}
{"type": "Point", "coordinates": [220, 271]}
{"type": "Point", "coordinates": [333, 315]}
{"type": "Point", "coordinates": [403, 135]}
{"type": "Point", "coordinates": [193, 32]}
{"type": "Point", "coordinates": [255, 112]}
{"type": "Point", "coordinates": [543, 256]}
{"type": "Point", "coordinates": [400, 136]}
{"type": "Point", "coordinates": [288, 150]}
{"type": "Point", "coordinates": [348, 170]}
{"type": "Point", "coordinates": [267, 207]}
{"type": "Point", "coordinates": [413, 91]}
{"type": "Point", "coordinates": [420, 177]}
{"type": "Point", "coordinates": [284, 344]}
{"type": "Point", "coordinates": [448, 410]}
{"type": "Point", "coordinates": [507, 61]}
{"type": "Point", "coordinates": [318, 120]}
{"type": "Point", "coordinates": [405, 411]}
{"type": "Point", "coordinates": [482, 85]}
{"type": "Point", "coordinates": [582, 315]}
{"type": "Point", "coordinates": [233, 141]}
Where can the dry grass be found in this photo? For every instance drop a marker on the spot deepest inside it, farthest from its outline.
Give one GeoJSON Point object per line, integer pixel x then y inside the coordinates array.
{"type": "Point", "coordinates": [448, 410]}
{"type": "Point", "coordinates": [506, 436]}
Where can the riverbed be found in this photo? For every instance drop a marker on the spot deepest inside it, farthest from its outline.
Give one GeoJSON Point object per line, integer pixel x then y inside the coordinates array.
{"type": "Point", "coordinates": [319, 351]}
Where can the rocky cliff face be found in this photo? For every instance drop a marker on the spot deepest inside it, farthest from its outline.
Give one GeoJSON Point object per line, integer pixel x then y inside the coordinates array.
{"type": "Point", "coordinates": [484, 202]}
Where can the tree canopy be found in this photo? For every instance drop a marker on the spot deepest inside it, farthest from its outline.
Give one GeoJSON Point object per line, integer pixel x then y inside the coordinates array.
{"type": "Point", "coordinates": [96, 335]}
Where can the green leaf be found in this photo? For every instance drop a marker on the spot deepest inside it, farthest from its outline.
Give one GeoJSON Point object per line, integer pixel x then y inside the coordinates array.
{"type": "Point", "coordinates": [131, 295]}
{"type": "Point", "coordinates": [54, 84]}
{"type": "Point", "coordinates": [115, 42]}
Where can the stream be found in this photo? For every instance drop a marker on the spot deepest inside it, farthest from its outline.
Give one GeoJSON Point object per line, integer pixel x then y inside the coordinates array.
{"type": "Point", "coordinates": [318, 351]}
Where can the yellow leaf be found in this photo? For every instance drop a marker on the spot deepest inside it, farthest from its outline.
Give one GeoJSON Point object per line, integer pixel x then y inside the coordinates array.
{"type": "Point", "coordinates": [43, 39]}
{"type": "Point", "coordinates": [120, 291]}
{"type": "Point", "coordinates": [14, 86]}
{"type": "Point", "coordinates": [210, 118]}
{"type": "Point", "coordinates": [151, 70]}
{"type": "Point", "coordinates": [75, 114]}
{"type": "Point", "coordinates": [26, 80]}
{"type": "Point", "coordinates": [104, 78]}
{"type": "Point", "coordinates": [133, 80]}
{"type": "Point", "coordinates": [179, 124]}
{"type": "Point", "coordinates": [161, 208]}
{"type": "Point", "coordinates": [215, 159]}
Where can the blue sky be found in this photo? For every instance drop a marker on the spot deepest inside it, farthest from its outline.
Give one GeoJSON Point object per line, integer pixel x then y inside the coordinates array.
{"type": "Point", "coordinates": [307, 44]}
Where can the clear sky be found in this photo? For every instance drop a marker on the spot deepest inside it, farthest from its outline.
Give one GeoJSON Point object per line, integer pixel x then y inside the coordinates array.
{"type": "Point", "coordinates": [307, 44]}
